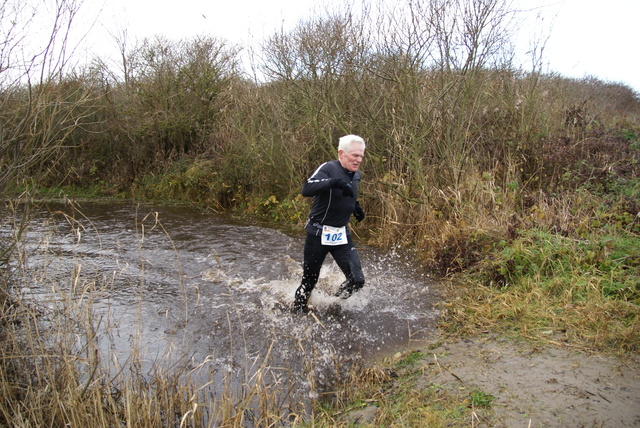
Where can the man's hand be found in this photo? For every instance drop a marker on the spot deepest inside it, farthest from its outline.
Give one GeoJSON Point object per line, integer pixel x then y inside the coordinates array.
{"type": "Point", "coordinates": [358, 212]}
{"type": "Point", "coordinates": [344, 185]}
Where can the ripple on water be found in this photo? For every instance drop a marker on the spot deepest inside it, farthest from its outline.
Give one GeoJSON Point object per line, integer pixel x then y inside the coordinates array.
{"type": "Point", "coordinates": [177, 280]}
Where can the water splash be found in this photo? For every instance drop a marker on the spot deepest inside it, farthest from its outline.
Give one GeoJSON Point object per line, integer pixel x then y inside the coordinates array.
{"type": "Point", "coordinates": [177, 281]}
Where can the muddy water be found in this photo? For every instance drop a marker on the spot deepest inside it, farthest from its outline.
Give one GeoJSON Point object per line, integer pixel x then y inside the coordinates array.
{"type": "Point", "coordinates": [174, 283]}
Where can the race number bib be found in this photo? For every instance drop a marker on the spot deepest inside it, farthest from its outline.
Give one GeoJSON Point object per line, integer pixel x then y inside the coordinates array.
{"type": "Point", "coordinates": [334, 235]}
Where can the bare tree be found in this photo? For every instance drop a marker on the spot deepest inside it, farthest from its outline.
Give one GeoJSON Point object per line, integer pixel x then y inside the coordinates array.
{"type": "Point", "coordinates": [39, 107]}
{"type": "Point", "coordinates": [37, 114]}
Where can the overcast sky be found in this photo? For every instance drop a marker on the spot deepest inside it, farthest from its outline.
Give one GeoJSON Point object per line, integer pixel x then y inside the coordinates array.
{"type": "Point", "coordinates": [587, 37]}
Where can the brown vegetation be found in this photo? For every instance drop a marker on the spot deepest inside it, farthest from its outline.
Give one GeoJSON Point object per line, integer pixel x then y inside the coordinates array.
{"type": "Point", "coordinates": [464, 153]}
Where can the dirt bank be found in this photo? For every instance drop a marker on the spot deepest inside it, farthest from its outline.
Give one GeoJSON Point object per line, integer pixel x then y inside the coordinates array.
{"type": "Point", "coordinates": [551, 386]}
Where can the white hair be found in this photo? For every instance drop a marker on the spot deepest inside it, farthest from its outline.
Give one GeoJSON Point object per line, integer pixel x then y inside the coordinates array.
{"type": "Point", "coordinates": [344, 143]}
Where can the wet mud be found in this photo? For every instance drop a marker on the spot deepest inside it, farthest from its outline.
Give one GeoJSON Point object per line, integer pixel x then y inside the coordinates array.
{"type": "Point", "coordinates": [546, 386]}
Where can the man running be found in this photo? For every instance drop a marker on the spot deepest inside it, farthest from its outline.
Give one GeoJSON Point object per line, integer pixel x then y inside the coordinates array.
{"type": "Point", "coordinates": [334, 187]}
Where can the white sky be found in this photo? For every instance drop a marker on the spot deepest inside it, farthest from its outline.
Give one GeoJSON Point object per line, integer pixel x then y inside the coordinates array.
{"type": "Point", "coordinates": [595, 37]}
{"type": "Point", "coordinates": [587, 37]}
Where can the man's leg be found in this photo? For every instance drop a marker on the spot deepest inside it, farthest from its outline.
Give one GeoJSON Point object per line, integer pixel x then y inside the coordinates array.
{"type": "Point", "coordinates": [346, 256]}
{"type": "Point", "coordinates": [314, 255]}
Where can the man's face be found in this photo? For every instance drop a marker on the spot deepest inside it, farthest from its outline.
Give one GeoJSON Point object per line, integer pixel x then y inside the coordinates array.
{"type": "Point", "coordinates": [351, 159]}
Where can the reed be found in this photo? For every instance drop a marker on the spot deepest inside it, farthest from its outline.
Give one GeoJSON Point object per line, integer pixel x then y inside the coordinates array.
{"type": "Point", "coordinates": [517, 186]}
{"type": "Point", "coordinates": [58, 368]}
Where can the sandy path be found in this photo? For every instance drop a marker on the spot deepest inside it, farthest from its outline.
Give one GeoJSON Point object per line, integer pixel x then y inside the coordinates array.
{"type": "Point", "coordinates": [547, 387]}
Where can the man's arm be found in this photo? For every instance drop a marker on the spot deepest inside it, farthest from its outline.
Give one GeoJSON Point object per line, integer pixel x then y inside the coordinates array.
{"type": "Point", "coordinates": [318, 182]}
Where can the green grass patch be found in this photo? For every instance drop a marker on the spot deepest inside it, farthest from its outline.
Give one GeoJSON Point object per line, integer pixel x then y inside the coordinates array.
{"type": "Point", "coordinates": [573, 269]}
{"type": "Point", "coordinates": [95, 191]}
{"type": "Point", "coordinates": [410, 360]}
{"type": "Point", "coordinates": [480, 398]}
{"type": "Point", "coordinates": [583, 291]}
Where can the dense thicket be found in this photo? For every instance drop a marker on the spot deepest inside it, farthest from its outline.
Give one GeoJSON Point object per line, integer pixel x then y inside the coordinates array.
{"type": "Point", "coordinates": [521, 186]}
{"type": "Point", "coordinates": [456, 134]}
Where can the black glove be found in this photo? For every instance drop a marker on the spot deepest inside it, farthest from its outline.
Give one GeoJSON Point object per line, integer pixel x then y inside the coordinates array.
{"type": "Point", "coordinates": [358, 212]}
{"type": "Point", "coordinates": [339, 183]}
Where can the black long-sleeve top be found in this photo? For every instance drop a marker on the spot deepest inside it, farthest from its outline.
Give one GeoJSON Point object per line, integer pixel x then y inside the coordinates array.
{"type": "Point", "coordinates": [330, 207]}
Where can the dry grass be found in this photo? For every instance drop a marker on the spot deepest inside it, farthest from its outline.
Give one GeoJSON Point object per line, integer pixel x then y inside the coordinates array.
{"type": "Point", "coordinates": [569, 278]}
{"type": "Point", "coordinates": [519, 187]}
{"type": "Point", "coordinates": [405, 391]}
{"type": "Point", "coordinates": [57, 368]}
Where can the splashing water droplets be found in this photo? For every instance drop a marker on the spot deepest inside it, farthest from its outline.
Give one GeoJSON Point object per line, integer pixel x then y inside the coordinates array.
{"type": "Point", "coordinates": [225, 288]}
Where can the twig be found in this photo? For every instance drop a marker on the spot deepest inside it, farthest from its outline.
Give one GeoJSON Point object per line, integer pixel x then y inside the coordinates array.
{"type": "Point", "coordinates": [599, 394]}
{"type": "Point", "coordinates": [446, 369]}
{"type": "Point", "coordinates": [317, 320]}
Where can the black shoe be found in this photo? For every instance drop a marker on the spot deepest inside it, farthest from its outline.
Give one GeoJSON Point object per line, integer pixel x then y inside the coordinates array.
{"type": "Point", "coordinates": [300, 309]}
{"type": "Point", "coordinates": [345, 290]}
{"type": "Point", "coordinates": [343, 294]}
